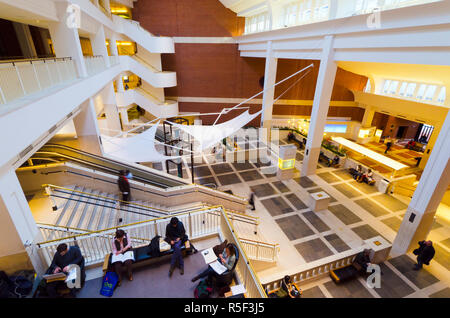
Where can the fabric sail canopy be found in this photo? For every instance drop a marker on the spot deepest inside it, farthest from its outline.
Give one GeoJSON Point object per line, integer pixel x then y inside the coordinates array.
{"type": "Point", "coordinates": [139, 148]}
{"type": "Point", "coordinates": [209, 136]}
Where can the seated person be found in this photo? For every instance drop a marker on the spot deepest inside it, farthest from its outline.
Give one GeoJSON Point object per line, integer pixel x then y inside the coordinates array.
{"type": "Point", "coordinates": [368, 177]}
{"type": "Point", "coordinates": [176, 237]}
{"type": "Point", "coordinates": [290, 136]}
{"type": "Point", "coordinates": [121, 245]}
{"type": "Point", "coordinates": [336, 160]}
{"type": "Point", "coordinates": [356, 173]}
{"type": "Point", "coordinates": [227, 258]}
{"type": "Point", "coordinates": [410, 144]}
{"type": "Point", "coordinates": [362, 260]}
{"type": "Point", "coordinates": [287, 289]}
{"type": "Point", "coordinates": [64, 256]}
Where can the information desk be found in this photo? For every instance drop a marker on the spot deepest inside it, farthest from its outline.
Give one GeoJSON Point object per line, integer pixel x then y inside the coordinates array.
{"type": "Point", "coordinates": [386, 161]}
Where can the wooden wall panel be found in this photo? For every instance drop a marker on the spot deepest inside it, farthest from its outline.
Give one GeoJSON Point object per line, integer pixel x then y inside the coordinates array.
{"type": "Point", "coordinates": [213, 70]}
{"type": "Point", "coordinates": [199, 18]}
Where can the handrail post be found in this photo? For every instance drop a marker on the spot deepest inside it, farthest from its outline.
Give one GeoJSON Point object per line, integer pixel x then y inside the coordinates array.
{"type": "Point", "coordinates": [190, 224]}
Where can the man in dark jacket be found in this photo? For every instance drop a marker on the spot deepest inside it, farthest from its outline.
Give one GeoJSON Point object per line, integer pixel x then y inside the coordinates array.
{"type": "Point", "coordinates": [64, 256]}
{"type": "Point", "coordinates": [425, 254]}
{"type": "Point", "coordinates": [362, 260]}
{"type": "Point", "coordinates": [176, 237]}
{"type": "Point", "coordinates": [124, 185]}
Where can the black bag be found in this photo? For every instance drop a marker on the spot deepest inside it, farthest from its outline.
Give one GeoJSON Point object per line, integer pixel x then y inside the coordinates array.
{"type": "Point", "coordinates": [154, 250]}
{"type": "Point", "coordinates": [22, 286]}
{"type": "Point", "coordinates": [5, 286]}
{"type": "Point", "coordinates": [416, 251]}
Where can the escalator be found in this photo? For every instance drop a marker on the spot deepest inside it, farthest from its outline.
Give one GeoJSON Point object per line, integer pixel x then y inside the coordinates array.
{"type": "Point", "coordinates": [62, 153]}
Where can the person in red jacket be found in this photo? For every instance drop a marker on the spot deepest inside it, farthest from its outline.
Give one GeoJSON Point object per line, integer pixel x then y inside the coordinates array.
{"type": "Point", "coordinates": [124, 185]}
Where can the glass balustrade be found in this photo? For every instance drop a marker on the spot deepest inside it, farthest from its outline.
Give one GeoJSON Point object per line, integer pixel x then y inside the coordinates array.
{"type": "Point", "coordinates": [24, 77]}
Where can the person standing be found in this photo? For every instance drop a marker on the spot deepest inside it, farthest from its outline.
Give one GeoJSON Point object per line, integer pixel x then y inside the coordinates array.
{"type": "Point", "coordinates": [124, 185]}
{"type": "Point", "coordinates": [251, 201]}
{"type": "Point", "coordinates": [425, 254]}
{"type": "Point", "coordinates": [388, 144]}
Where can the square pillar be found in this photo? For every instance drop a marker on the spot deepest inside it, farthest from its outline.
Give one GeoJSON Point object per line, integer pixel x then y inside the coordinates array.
{"type": "Point", "coordinates": [66, 40]}
{"type": "Point", "coordinates": [269, 82]}
{"type": "Point", "coordinates": [98, 43]}
{"type": "Point", "coordinates": [18, 230]}
{"type": "Point", "coordinates": [419, 217]}
{"type": "Point", "coordinates": [87, 130]}
{"type": "Point", "coordinates": [286, 162]}
{"type": "Point", "coordinates": [322, 97]}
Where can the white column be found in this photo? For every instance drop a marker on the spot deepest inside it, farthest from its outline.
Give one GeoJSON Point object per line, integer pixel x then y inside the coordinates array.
{"type": "Point", "coordinates": [124, 115]}
{"type": "Point", "coordinates": [430, 145]}
{"type": "Point", "coordinates": [322, 97]}
{"type": "Point", "coordinates": [98, 43]}
{"type": "Point", "coordinates": [270, 75]}
{"type": "Point", "coordinates": [119, 84]}
{"type": "Point", "coordinates": [369, 113]}
{"type": "Point", "coordinates": [435, 179]}
{"type": "Point", "coordinates": [113, 44]}
{"type": "Point", "coordinates": [65, 40]}
{"type": "Point", "coordinates": [108, 98]}
{"type": "Point", "coordinates": [18, 230]}
{"type": "Point", "coordinates": [86, 127]}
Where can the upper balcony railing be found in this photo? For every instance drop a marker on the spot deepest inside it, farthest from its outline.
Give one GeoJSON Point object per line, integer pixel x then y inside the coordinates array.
{"type": "Point", "coordinates": [19, 78]}
{"type": "Point", "coordinates": [300, 12]}
{"type": "Point", "coordinates": [94, 64]}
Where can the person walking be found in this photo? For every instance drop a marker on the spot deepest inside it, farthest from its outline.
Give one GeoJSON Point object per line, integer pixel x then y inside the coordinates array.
{"type": "Point", "coordinates": [124, 184]}
{"type": "Point", "coordinates": [388, 144]}
{"type": "Point", "coordinates": [425, 254]}
{"type": "Point", "coordinates": [251, 201]}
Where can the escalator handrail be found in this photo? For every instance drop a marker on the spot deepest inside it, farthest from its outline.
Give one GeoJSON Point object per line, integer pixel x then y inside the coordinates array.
{"type": "Point", "coordinates": [179, 182]}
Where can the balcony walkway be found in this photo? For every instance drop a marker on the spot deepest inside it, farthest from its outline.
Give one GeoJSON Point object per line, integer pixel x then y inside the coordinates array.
{"type": "Point", "coordinates": [152, 281]}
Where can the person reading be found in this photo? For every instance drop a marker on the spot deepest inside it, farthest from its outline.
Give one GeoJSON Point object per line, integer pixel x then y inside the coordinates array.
{"type": "Point", "coordinates": [227, 259]}
{"type": "Point", "coordinates": [176, 237]}
{"type": "Point", "coordinates": [64, 257]}
{"type": "Point", "coordinates": [122, 255]}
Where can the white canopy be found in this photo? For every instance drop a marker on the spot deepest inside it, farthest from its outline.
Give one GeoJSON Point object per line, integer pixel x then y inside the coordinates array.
{"type": "Point", "coordinates": [138, 148]}
{"type": "Point", "coordinates": [208, 136]}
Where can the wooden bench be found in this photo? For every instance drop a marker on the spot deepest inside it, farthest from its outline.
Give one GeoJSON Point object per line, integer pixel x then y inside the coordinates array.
{"type": "Point", "coordinates": [142, 257]}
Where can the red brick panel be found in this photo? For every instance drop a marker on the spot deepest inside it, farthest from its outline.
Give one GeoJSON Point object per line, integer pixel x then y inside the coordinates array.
{"type": "Point", "coordinates": [199, 18]}
{"type": "Point", "coordinates": [213, 70]}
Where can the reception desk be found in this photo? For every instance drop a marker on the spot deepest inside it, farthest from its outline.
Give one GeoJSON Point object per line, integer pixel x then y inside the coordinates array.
{"type": "Point", "coordinates": [379, 158]}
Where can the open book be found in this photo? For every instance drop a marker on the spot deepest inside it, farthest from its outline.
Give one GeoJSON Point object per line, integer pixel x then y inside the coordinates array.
{"type": "Point", "coordinates": [211, 259]}
{"type": "Point", "coordinates": [209, 255]}
{"type": "Point", "coordinates": [122, 257]}
{"type": "Point", "coordinates": [218, 267]}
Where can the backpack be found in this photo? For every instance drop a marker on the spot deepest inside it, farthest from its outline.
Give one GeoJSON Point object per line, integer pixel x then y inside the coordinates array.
{"type": "Point", "coordinates": [22, 286]}
{"type": "Point", "coordinates": [5, 286]}
{"type": "Point", "coordinates": [153, 247]}
{"type": "Point", "coordinates": [108, 284]}
{"type": "Point", "coordinates": [203, 290]}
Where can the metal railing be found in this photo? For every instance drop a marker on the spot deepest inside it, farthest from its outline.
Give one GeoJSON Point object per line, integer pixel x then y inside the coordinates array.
{"type": "Point", "coordinates": [202, 223]}
{"type": "Point", "coordinates": [114, 60]}
{"type": "Point", "coordinates": [94, 64]}
{"type": "Point", "coordinates": [19, 78]}
{"type": "Point", "coordinates": [95, 245]}
{"type": "Point", "coordinates": [260, 251]}
{"type": "Point", "coordinates": [244, 270]}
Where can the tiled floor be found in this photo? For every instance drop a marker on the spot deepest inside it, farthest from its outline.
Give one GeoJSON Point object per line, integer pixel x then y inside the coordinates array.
{"type": "Point", "coordinates": [356, 212]}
